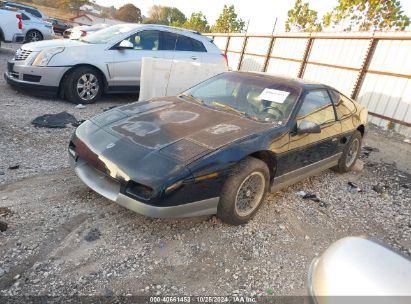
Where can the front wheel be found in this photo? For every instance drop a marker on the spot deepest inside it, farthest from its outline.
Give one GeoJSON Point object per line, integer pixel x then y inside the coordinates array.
{"type": "Point", "coordinates": [243, 191]}
{"type": "Point", "coordinates": [350, 153]}
{"type": "Point", "coordinates": [83, 85]}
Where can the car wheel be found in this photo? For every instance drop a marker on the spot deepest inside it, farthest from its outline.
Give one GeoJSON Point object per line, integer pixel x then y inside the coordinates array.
{"type": "Point", "coordinates": [83, 85]}
{"type": "Point", "coordinates": [350, 153]}
{"type": "Point", "coordinates": [243, 191]}
{"type": "Point", "coordinates": [33, 36]}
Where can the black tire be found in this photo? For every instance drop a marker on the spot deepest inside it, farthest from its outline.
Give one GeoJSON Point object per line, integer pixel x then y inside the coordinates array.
{"type": "Point", "coordinates": [71, 92]}
{"type": "Point", "coordinates": [33, 36]}
{"type": "Point", "coordinates": [343, 166]}
{"type": "Point", "coordinates": [248, 168]}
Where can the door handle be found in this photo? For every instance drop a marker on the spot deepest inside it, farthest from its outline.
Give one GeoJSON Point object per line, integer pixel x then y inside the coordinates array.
{"type": "Point", "coordinates": [194, 57]}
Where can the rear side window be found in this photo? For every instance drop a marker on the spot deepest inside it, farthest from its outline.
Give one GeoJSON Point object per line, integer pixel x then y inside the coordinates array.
{"type": "Point", "coordinates": [189, 45]}
{"type": "Point", "coordinates": [27, 9]}
{"type": "Point", "coordinates": [25, 17]}
{"type": "Point", "coordinates": [33, 12]}
{"type": "Point", "coordinates": [167, 41]}
{"type": "Point", "coordinates": [198, 46]}
{"type": "Point", "coordinates": [344, 106]}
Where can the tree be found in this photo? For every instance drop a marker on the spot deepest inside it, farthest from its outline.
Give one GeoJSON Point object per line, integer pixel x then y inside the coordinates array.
{"type": "Point", "coordinates": [197, 22]}
{"type": "Point", "coordinates": [303, 19]}
{"type": "Point", "coordinates": [367, 15]}
{"type": "Point", "coordinates": [129, 13]}
{"type": "Point", "coordinates": [72, 5]}
{"type": "Point", "coordinates": [165, 15]}
{"type": "Point", "coordinates": [228, 22]}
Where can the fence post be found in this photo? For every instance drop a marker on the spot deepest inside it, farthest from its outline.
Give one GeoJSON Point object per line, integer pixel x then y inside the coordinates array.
{"type": "Point", "coordinates": [305, 57]}
{"type": "Point", "coordinates": [267, 58]}
{"type": "Point", "coordinates": [227, 44]}
{"type": "Point", "coordinates": [364, 68]}
{"type": "Point", "coordinates": [242, 52]}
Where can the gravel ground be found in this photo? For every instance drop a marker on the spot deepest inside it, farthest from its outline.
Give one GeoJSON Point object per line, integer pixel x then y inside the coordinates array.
{"type": "Point", "coordinates": [64, 239]}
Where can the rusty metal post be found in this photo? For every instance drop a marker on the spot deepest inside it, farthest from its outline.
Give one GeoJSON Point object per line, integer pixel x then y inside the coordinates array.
{"type": "Point", "coordinates": [267, 58]}
{"type": "Point", "coordinates": [227, 44]}
{"type": "Point", "coordinates": [305, 57]}
{"type": "Point", "coordinates": [364, 68]}
{"type": "Point", "coordinates": [242, 52]}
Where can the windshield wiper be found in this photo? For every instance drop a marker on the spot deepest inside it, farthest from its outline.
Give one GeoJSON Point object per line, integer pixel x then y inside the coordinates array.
{"type": "Point", "coordinates": [230, 108]}
{"type": "Point", "coordinates": [197, 100]}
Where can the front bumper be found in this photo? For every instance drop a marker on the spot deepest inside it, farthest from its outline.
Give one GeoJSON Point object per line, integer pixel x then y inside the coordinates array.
{"type": "Point", "coordinates": [30, 85]}
{"type": "Point", "coordinates": [110, 188]}
{"type": "Point", "coordinates": [20, 74]}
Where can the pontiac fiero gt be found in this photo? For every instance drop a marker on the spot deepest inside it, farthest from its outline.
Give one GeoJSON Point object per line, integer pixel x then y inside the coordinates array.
{"type": "Point", "coordinates": [218, 147]}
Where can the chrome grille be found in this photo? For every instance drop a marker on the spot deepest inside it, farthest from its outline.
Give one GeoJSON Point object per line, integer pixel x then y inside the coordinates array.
{"type": "Point", "coordinates": [21, 54]}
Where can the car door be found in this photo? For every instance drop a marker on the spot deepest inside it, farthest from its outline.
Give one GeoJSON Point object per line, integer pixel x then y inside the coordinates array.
{"type": "Point", "coordinates": [127, 62]}
{"type": "Point", "coordinates": [314, 148]}
{"type": "Point", "coordinates": [189, 49]}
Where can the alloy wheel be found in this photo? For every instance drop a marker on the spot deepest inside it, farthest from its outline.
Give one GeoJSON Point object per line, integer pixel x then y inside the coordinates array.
{"type": "Point", "coordinates": [87, 87]}
{"type": "Point", "coordinates": [249, 194]}
{"type": "Point", "coordinates": [33, 36]}
{"type": "Point", "coordinates": [352, 152]}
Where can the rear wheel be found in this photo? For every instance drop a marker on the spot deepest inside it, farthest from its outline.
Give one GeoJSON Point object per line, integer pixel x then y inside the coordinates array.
{"type": "Point", "coordinates": [33, 36]}
{"type": "Point", "coordinates": [350, 153]}
{"type": "Point", "coordinates": [243, 192]}
{"type": "Point", "coordinates": [83, 85]}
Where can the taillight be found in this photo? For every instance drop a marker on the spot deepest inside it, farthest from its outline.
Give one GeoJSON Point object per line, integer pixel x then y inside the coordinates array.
{"type": "Point", "coordinates": [20, 21]}
{"type": "Point", "coordinates": [83, 33]}
{"type": "Point", "coordinates": [225, 58]}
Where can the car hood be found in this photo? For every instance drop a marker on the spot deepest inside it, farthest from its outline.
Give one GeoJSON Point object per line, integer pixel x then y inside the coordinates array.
{"type": "Point", "coordinates": [154, 141]}
{"type": "Point", "coordinates": [41, 45]}
{"type": "Point", "coordinates": [175, 127]}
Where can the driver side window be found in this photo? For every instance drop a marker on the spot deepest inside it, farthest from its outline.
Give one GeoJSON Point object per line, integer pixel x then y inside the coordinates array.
{"type": "Point", "coordinates": [317, 107]}
{"type": "Point", "coordinates": [145, 40]}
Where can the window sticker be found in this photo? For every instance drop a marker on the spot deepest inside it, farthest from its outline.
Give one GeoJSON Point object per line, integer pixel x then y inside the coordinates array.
{"type": "Point", "coordinates": [274, 95]}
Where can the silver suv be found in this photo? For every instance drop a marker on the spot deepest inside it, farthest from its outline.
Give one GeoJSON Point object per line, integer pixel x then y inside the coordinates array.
{"type": "Point", "coordinates": [106, 61]}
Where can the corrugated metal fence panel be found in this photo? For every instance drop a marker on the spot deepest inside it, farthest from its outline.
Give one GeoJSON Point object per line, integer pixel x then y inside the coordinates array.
{"type": "Point", "coordinates": [283, 67]}
{"type": "Point", "coordinates": [221, 42]}
{"type": "Point", "coordinates": [392, 56]}
{"type": "Point", "coordinates": [233, 59]}
{"type": "Point", "coordinates": [340, 79]}
{"type": "Point", "coordinates": [388, 96]}
{"type": "Point", "coordinates": [289, 47]}
{"type": "Point", "coordinates": [341, 52]}
{"type": "Point", "coordinates": [336, 59]}
{"type": "Point", "coordinates": [252, 63]}
{"type": "Point", "coordinates": [257, 45]}
{"type": "Point", "coordinates": [236, 44]}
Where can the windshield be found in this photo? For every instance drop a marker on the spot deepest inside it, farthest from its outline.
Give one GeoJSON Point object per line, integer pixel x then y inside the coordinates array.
{"type": "Point", "coordinates": [258, 98]}
{"type": "Point", "coordinates": [105, 35]}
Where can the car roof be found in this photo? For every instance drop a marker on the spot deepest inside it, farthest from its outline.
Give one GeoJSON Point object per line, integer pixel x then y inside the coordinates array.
{"type": "Point", "coordinates": [192, 34]}
{"type": "Point", "coordinates": [291, 81]}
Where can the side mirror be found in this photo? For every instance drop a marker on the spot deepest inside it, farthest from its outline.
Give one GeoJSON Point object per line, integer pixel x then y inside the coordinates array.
{"type": "Point", "coordinates": [308, 127]}
{"type": "Point", "coordinates": [125, 44]}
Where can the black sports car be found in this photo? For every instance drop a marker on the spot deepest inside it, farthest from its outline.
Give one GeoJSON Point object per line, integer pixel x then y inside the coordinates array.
{"type": "Point", "coordinates": [218, 147]}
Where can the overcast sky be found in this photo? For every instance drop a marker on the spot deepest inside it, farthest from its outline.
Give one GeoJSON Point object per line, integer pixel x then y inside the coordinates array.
{"type": "Point", "coordinates": [260, 13]}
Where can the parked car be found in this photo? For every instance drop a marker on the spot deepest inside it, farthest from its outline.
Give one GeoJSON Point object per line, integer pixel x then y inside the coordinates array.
{"type": "Point", "coordinates": [27, 8]}
{"type": "Point", "coordinates": [219, 147]}
{"type": "Point", "coordinates": [59, 26]}
{"type": "Point", "coordinates": [107, 61]}
{"type": "Point", "coordinates": [11, 26]}
{"type": "Point", "coordinates": [35, 29]}
{"type": "Point", "coordinates": [79, 32]}
{"type": "Point", "coordinates": [360, 271]}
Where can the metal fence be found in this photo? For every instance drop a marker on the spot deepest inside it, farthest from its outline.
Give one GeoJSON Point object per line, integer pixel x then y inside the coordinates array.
{"type": "Point", "coordinates": [373, 68]}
